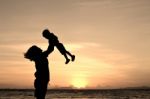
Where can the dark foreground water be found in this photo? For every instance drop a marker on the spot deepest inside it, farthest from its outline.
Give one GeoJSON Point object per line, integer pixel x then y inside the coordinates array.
{"type": "Point", "coordinates": [78, 94]}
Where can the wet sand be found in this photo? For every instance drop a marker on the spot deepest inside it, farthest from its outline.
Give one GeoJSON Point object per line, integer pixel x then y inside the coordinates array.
{"type": "Point", "coordinates": [78, 94]}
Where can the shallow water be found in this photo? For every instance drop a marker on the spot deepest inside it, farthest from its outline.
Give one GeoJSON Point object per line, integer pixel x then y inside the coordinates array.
{"type": "Point", "coordinates": [78, 94]}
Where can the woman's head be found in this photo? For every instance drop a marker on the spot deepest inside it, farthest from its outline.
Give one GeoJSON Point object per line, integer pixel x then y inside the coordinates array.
{"type": "Point", "coordinates": [32, 52]}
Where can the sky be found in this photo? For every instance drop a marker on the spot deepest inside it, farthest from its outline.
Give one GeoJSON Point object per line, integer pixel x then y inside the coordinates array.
{"type": "Point", "coordinates": [110, 38]}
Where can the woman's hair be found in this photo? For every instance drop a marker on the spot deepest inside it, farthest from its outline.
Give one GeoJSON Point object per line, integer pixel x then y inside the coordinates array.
{"type": "Point", "coordinates": [32, 52]}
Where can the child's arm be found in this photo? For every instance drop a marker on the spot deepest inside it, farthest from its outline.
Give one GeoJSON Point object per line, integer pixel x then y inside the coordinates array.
{"type": "Point", "coordinates": [49, 49]}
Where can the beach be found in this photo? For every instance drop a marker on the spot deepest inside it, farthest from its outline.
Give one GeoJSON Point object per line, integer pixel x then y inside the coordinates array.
{"type": "Point", "coordinates": [78, 94]}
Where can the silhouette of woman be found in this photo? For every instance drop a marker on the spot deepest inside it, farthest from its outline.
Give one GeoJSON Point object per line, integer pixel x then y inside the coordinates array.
{"type": "Point", "coordinates": [36, 54]}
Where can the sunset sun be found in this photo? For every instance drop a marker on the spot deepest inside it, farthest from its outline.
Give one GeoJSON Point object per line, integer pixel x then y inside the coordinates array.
{"type": "Point", "coordinates": [79, 83]}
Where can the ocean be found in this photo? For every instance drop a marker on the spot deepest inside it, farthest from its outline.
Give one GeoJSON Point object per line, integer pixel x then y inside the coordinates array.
{"type": "Point", "coordinates": [78, 94]}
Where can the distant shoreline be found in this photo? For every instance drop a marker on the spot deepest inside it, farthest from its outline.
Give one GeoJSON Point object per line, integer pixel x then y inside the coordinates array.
{"type": "Point", "coordinates": [71, 89]}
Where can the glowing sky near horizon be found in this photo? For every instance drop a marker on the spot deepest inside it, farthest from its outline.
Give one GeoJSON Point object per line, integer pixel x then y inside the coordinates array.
{"type": "Point", "coordinates": [110, 38]}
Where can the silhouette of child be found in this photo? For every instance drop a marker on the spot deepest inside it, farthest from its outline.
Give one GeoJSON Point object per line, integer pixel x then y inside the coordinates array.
{"type": "Point", "coordinates": [36, 54]}
{"type": "Point", "coordinates": [53, 38]}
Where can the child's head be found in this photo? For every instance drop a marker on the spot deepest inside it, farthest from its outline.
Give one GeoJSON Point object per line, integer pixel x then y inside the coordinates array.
{"type": "Point", "coordinates": [46, 34]}
{"type": "Point", "coordinates": [32, 52]}
{"type": "Point", "coordinates": [50, 36]}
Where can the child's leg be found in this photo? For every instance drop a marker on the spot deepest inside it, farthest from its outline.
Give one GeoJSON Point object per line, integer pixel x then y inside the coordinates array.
{"type": "Point", "coordinates": [62, 50]}
{"type": "Point", "coordinates": [72, 56]}
{"type": "Point", "coordinates": [67, 59]}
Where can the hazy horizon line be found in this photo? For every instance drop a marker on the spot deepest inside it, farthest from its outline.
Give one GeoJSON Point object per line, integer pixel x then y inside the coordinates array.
{"type": "Point", "coordinates": [88, 88]}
